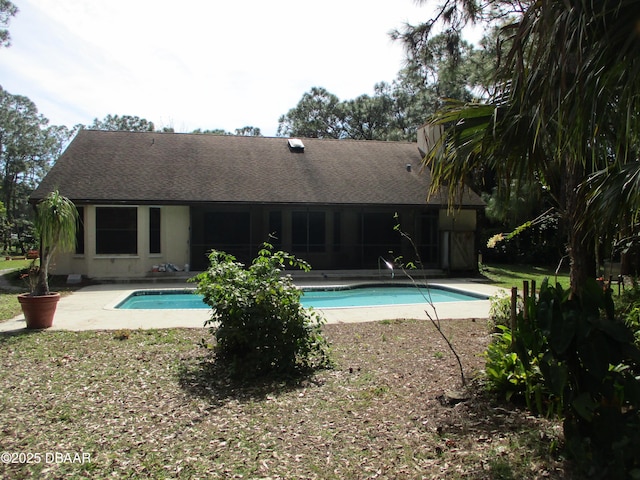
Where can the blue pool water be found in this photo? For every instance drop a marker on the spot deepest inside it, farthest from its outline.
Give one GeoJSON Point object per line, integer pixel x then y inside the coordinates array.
{"type": "Point", "coordinates": [377, 296]}
{"type": "Point", "coordinates": [336, 298]}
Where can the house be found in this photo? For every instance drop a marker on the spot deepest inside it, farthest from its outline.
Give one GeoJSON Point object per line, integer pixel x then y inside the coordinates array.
{"type": "Point", "coordinates": [148, 199]}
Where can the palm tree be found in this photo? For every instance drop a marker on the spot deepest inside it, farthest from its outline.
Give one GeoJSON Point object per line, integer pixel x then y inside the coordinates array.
{"type": "Point", "coordinates": [565, 107]}
{"type": "Point", "coordinates": [55, 223]}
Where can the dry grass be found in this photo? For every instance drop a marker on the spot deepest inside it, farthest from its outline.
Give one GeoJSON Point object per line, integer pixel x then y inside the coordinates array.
{"type": "Point", "coordinates": [148, 404]}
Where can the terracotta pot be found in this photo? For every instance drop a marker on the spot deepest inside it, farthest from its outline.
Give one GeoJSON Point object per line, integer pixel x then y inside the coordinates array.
{"type": "Point", "coordinates": [39, 311]}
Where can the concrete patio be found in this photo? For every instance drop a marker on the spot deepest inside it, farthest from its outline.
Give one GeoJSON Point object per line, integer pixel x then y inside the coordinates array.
{"type": "Point", "coordinates": [93, 308]}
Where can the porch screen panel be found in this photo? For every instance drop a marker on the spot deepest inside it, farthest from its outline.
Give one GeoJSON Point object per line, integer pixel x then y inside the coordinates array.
{"type": "Point", "coordinates": [229, 232]}
{"type": "Point", "coordinates": [275, 229]}
{"type": "Point", "coordinates": [378, 237]}
{"type": "Point", "coordinates": [308, 231]}
{"type": "Point", "coordinates": [117, 230]}
{"type": "Point", "coordinates": [337, 232]}
{"type": "Point", "coordinates": [428, 242]}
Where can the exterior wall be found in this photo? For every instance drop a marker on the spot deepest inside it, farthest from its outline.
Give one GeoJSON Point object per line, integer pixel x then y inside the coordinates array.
{"type": "Point", "coordinates": [428, 136]}
{"type": "Point", "coordinates": [174, 241]}
{"type": "Point", "coordinates": [458, 220]}
{"type": "Point", "coordinates": [458, 239]}
{"type": "Point", "coordinates": [445, 240]}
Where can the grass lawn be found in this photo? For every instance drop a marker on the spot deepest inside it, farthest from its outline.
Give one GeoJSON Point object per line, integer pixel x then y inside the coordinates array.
{"type": "Point", "coordinates": [134, 404]}
{"type": "Point", "coordinates": [13, 264]}
{"type": "Point", "coordinates": [9, 306]}
{"type": "Point", "coordinates": [508, 276]}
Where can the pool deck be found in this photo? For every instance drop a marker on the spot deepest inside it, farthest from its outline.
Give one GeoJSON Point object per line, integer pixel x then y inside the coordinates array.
{"type": "Point", "coordinates": [93, 308]}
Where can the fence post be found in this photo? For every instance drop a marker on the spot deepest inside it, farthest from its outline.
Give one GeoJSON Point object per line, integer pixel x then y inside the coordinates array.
{"type": "Point", "coordinates": [533, 291]}
{"type": "Point", "coordinates": [514, 303]}
{"type": "Point", "coordinates": [525, 296]}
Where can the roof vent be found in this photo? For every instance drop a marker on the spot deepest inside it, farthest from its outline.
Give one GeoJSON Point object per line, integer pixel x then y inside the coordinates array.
{"type": "Point", "coordinates": [408, 167]}
{"type": "Point", "coordinates": [295, 145]}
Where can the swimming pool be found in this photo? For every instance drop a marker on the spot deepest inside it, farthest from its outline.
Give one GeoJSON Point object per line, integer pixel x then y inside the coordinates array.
{"type": "Point", "coordinates": [336, 297]}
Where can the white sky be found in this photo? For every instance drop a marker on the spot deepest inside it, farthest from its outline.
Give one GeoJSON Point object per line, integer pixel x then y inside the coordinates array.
{"type": "Point", "coordinates": [198, 63]}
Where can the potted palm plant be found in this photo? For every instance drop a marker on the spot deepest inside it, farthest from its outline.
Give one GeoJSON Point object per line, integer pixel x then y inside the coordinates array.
{"type": "Point", "coordinates": [55, 225]}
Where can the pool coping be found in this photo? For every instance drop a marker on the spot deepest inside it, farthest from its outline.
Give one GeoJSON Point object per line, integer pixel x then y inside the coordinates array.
{"type": "Point", "coordinates": [115, 305]}
{"type": "Point", "coordinates": [92, 308]}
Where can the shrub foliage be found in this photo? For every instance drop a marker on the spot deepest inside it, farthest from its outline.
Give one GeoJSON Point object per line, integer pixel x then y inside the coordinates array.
{"type": "Point", "coordinates": [258, 323]}
{"type": "Point", "coordinates": [574, 358]}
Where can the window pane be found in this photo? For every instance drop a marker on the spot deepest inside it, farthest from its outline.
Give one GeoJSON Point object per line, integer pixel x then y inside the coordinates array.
{"type": "Point", "coordinates": [154, 230]}
{"type": "Point", "coordinates": [116, 230]}
{"type": "Point", "coordinates": [80, 232]}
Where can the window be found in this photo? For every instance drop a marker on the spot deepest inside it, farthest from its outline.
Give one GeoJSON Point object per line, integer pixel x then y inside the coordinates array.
{"type": "Point", "coordinates": [154, 230]}
{"type": "Point", "coordinates": [308, 231]}
{"type": "Point", "coordinates": [80, 231]}
{"type": "Point", "coordinates": [117, 230]}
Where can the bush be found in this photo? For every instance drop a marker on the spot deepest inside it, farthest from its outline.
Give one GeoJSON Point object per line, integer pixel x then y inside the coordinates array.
{"type": "Point", "coordinates": [511, 377]}
{"type": "Point", "coordinates": [257, 321]}
{"type": "Point", "coordinates": [500, 311]}
{"type": "Point", "coordinates": [573, 357]}
{"type": "Point", "coordinates": [628, 304]}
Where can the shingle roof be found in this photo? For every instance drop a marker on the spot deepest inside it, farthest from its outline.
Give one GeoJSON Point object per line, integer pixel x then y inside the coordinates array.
{"type": "Point", "coordinates": [132, 167]}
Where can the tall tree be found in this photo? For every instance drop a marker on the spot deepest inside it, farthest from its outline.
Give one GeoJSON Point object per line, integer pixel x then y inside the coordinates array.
{"type": "Point", "coordinates": [7, 10]}
{"type": "Point", "coordinates": [125, 123]}
{"type": "Point", "coordinates": [28, 148]}
{"type": "Point", "coordinates": [396, 109]}
{"type": "Point", "coordinates": [441, 65]}
{"type": "Point", "coordinates": [319, 114]}
{"type": "Point", "coordinates": [409, 103]}
{"type": "Point", "coordinates": [394, 112]}
{"type": "Point", "coordinates": [366, 118]}
{"type": "Point", "coordinates": [216, 131]}
{"type": "Point", "coordinates": [565, 105]}
{"type": "Point", "coordinates": [248, 131]}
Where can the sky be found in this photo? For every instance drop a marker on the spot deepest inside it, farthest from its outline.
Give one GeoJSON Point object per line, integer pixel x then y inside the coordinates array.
{"type": "Point", "coordinates": [204, 64]}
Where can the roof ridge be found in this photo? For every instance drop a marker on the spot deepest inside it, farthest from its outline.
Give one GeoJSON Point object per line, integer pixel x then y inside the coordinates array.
{"type": "Point", "coordinates": [351, 140]}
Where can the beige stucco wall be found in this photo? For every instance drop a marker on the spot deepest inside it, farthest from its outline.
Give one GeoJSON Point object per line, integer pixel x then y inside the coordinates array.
{"type": "Point", "coordinates": [458, 249]}
{"type": "Point", "coordinates": [174, 241]}
{"type": "Point", "coordinates": [427, 136]}
{"type": "Point", "coordinates": [458, 220]}
{"type": "Point", "coordinates": [456, 231]}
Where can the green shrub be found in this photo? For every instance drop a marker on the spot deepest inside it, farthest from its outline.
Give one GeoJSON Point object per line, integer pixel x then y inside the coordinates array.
{"type": "Point", "coordinates": [500, 311]}
{"type": "Point", "coordinates": [516, 376]}
{"type": "Point", "coordinates": [628, 304]}
{"type": "Point", "coordinates": [258, 324]}
{"type": "Point", "coordinates": [572, 356]}
{"type": "Point", "coordinates": [593, 366]}
{"type": "Point", "coordinates": [503, 368]}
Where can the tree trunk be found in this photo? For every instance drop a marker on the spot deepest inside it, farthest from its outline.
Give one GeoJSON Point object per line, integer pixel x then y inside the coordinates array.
{"type": "Point", "coordinates": [580, 244]}
{"type": "Point", "coordinates": [581, 256]}
{"type": "Point", "coordinates": [42, 287]}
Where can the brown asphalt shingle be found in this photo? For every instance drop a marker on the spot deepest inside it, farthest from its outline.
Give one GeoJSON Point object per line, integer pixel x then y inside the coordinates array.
{"type": "Point", "coordinates": [177, 168]}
